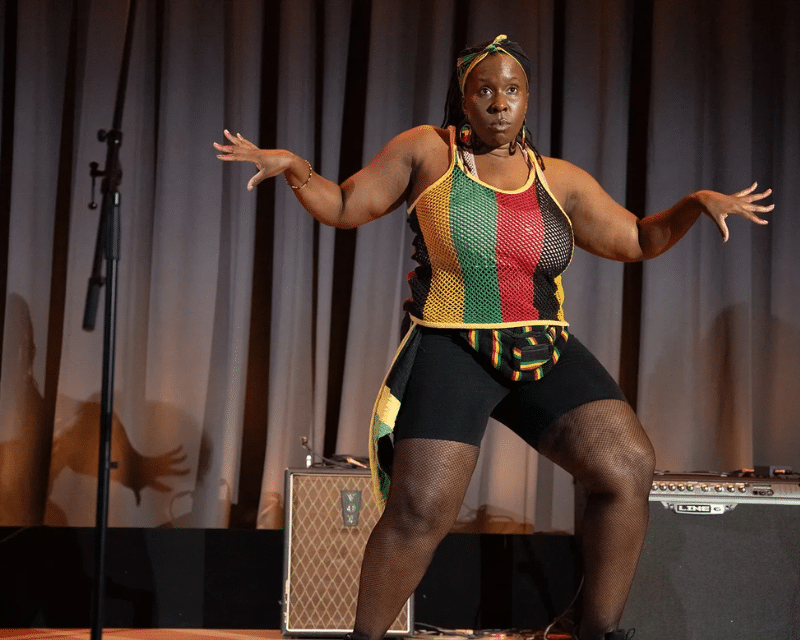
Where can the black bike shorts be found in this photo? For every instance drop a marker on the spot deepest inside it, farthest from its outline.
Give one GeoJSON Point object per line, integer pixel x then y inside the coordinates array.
{"type": "Point", "coordinates": [452, 393]}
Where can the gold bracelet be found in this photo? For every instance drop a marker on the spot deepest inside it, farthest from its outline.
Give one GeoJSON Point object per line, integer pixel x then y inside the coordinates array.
{"type": "Point", "coordinates": [310, 173]}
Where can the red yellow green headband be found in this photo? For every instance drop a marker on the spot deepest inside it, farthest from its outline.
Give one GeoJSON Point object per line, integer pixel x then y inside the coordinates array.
{"type": "Point", "coordinates": [465, 64]}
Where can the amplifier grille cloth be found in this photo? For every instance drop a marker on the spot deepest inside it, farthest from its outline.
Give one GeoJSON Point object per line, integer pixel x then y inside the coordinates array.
{"type": "Point", "coordinates": [325, 556]}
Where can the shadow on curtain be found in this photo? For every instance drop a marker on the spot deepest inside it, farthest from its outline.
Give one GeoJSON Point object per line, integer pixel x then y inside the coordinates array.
{"type": "Point", "coordinates": [244, 325]}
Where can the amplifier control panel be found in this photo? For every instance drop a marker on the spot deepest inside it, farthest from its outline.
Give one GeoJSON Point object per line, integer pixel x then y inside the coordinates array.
{"type": "Point", "coordinates": [719, 488]}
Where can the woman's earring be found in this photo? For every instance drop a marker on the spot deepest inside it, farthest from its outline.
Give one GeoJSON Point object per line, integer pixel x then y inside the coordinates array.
{"type": "Point", "coordinates": [465, 134]}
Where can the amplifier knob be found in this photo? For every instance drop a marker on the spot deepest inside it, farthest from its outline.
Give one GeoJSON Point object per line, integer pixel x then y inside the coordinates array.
{"type": "Point", "coordinates": [731, 488]}
{"type": "Point", "coordinates": [655, 486]}
{"type": "Point", "coordinates": [742, 488]}
{"type": "Point", "coordinates": [690, 487]}
{"type": "Point", "coordinates": [718, 487]}
{"type": "Point", "coordinates": [681, 487]}
{"type": "Point", "coordinates": [672, 486]}
{"type": "Point", "coordinates": [663, 486]}
{"type": "Point", "coordinates": [705, 487]}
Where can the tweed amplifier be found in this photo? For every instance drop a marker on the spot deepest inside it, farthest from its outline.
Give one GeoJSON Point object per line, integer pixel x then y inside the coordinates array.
{"type": "Point", "coordinates": [721, 560]}
{"type": "Point", "coordinates": [329, 516]}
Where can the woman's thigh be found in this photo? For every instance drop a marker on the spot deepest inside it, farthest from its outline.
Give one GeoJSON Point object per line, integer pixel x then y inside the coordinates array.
{"type": "Point", "coordinates": [578, 378]}
{"type": "Point", "coordinates": [449, 394]}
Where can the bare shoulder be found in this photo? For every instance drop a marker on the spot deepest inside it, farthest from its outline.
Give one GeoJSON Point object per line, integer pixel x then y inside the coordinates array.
{"type": "Point", "coordinates": [568, 182]}
{"type": "Point", "coordinates": [397, 170]}
{"type": "Point", "coordinates": [560, 176]}
{"type": "Point", "coordinates": [404, 153]}
{"type": "Point", "coordinates": [422, 140]}
{"type": "Point", "coordinates": [413, 148]}
{"type": "Point", "coordinates": [431, 150]}
{"type": "Point", "coordinates": [429, 133]}
{"type": "Point", "coordinates": [558, 171]}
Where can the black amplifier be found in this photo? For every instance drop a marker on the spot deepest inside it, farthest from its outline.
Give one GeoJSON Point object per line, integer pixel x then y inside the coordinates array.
{"type": "Point", "coordinates": [721, 560]}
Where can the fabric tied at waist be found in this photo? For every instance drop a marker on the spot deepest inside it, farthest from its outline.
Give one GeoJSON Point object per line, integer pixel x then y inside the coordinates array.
{"type": "Point", "coordinates": [519, 353]}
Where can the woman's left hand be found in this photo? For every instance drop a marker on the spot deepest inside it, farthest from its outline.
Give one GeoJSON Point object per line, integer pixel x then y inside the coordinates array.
{"type": "Point", "coordinates": [719, 206]}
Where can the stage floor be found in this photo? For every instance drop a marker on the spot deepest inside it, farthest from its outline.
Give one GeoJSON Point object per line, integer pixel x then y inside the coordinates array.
{"type": "Point", "coordinates": [221, 634]}
{"type": "Point", "coordinates": [140, 634]}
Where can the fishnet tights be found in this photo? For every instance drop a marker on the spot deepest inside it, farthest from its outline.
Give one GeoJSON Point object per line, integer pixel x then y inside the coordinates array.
{"type": "Point", "coordinates": [603, 445]}
{"type": "Point", "coordinates": [429, 480]}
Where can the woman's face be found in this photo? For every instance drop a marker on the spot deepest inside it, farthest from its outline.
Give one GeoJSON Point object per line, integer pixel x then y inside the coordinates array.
{"type": "Point", "coordinates": [496, 99]}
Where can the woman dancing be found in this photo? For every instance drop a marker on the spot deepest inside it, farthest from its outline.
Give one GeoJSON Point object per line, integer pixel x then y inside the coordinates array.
{"type": "Point", "coordinates": [495, 224]}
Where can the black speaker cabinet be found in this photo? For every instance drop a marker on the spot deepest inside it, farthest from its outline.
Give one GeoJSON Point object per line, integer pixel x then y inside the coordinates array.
{"type": "Point", "coordinates": [721, 561]}
{"type": "Point", "coordinates": [329, 516]}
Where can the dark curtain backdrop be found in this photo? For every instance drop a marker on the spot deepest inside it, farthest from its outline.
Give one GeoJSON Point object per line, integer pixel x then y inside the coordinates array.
{"type": "Point", "coordinates": [243, 325]}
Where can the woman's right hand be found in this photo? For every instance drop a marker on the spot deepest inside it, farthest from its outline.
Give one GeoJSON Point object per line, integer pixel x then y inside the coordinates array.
{"type": "Point", "coordinates": [270, 162]}
{"type": "Point", "coordinates": [377, 189]}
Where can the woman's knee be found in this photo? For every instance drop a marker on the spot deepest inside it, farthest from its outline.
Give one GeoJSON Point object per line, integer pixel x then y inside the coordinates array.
{"type": "Point", "coordinates": [415, 515]}
{"type": "Point", "coordinates": [635, 465]}
{"type": "Point", "coordinates": [429, 479]}
{"type": "Point", "coordinates": [606, 448]}
{"type": "Point", "coordinates": [627, 467]}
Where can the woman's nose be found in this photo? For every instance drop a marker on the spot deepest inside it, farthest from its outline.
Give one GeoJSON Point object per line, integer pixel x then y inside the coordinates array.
{"type": "Point", "coordinates": [499, 104]}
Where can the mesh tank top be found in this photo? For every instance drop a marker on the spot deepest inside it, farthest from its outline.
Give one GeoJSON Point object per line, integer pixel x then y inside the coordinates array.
{"type": "Point", "coordinates": [488, 257]}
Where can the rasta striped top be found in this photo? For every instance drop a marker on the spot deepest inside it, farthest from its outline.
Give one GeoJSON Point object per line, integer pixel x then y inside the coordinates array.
{"type": "Point", "coordinates": [488, 258]}
{"type": "Point", "coordinates": [490, 264]}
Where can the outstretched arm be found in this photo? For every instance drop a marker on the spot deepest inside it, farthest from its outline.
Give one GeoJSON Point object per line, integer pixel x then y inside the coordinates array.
{"type": "Point", "coordinates": [605, 228]}
{"type": "Point", "coordinates": [376, 190]}
{"type": "Point", "coordinates": [659, 232]}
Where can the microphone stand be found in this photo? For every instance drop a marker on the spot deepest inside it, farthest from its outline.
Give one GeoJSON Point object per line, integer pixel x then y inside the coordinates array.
{"type": "Point", "coordinates": [108, 247]}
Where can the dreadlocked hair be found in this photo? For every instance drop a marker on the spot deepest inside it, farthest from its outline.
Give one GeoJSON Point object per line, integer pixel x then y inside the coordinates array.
{"type": "Point", "coordinates": [453, 111]}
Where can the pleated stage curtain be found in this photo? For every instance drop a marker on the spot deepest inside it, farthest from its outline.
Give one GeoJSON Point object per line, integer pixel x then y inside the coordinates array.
{"type": "Point", "coordinates": [244, 326]}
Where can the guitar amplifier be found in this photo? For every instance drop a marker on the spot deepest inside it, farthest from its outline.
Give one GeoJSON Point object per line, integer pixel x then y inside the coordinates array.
{"type": "Point", "coordinates": [721, 560]}
{"type": "Point", "coordinates": [329, 516]}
